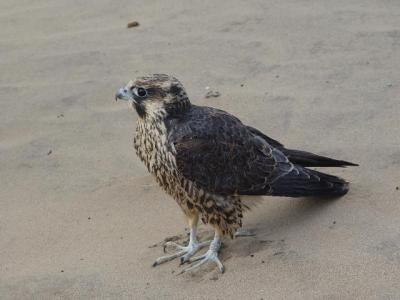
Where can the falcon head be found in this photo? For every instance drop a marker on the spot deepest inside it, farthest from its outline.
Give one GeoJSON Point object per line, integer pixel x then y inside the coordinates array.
{"type": "Point", "coordinates": [157, 95]}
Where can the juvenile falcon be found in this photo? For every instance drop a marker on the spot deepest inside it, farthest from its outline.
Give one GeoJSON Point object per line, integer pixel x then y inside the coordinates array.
{"type": "Point", "coordinates": [206, 159]}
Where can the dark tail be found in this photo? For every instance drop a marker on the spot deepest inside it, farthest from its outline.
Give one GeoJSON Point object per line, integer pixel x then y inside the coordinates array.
{"type": "Point", "coordinates": [302, 182]}
{"type": "Point", "coordinates": [307, 159]}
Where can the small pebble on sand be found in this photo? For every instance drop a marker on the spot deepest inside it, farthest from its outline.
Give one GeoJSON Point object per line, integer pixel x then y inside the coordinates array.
{"type": "Point", "coordinates": [132, 24]}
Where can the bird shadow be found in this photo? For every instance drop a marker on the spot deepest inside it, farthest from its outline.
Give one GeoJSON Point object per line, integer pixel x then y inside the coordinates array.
{"type": "Point", "coordinates": [277, 220]}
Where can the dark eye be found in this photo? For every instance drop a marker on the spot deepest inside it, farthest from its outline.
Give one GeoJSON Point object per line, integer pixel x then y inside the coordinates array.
{"type": "Point", "coordinates": [141, 92]}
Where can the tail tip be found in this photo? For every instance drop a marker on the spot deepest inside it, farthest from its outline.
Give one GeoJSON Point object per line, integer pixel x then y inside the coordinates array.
{"type": "Point", "coordinates": [342, 189]}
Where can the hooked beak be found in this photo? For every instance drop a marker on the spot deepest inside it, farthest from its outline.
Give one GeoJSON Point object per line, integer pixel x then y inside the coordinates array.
{"type": "Point", "coordinates": [124, 93]}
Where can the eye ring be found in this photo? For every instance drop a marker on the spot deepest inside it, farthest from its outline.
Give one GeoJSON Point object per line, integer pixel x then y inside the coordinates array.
{"type": "Point", "coordinates": [141, 92]}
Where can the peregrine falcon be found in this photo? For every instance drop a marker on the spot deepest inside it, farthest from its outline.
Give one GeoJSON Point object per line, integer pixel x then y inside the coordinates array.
{"type": "Point", "coordinates": [207, 159]}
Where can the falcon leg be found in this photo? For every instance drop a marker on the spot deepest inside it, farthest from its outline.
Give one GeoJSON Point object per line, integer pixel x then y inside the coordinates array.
{"type": "Point", "coordinates": [210, 255]}
{"type": "Point", "coordinates": [184, 252]}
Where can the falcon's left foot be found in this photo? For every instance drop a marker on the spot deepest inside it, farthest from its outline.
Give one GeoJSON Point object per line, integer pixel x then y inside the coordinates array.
{"type": "Point", "coordinates": [184, 252]}
{"type": "Point", "coordinates": [210, 255]}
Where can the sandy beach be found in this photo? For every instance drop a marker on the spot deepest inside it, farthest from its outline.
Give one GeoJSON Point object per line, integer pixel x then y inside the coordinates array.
{"type": "Point", "coordinates": [81, 218]}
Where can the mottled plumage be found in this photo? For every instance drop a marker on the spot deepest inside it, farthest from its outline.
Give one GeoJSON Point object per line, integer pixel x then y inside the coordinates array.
{"type": "Point", "coordinates": [206, 159]}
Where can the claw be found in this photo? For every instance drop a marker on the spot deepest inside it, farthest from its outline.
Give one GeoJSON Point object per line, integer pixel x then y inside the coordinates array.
{"type": "Point", "coordinates": [182, 261]}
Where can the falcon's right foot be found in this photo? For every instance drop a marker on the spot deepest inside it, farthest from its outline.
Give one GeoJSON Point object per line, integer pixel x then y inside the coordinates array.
{"type": "Point", "coordinates": [210, 256]}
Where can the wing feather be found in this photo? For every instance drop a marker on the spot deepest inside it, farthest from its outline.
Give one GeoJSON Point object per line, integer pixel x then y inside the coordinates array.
{"type": "Point", "coordinates": [223, 156]}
